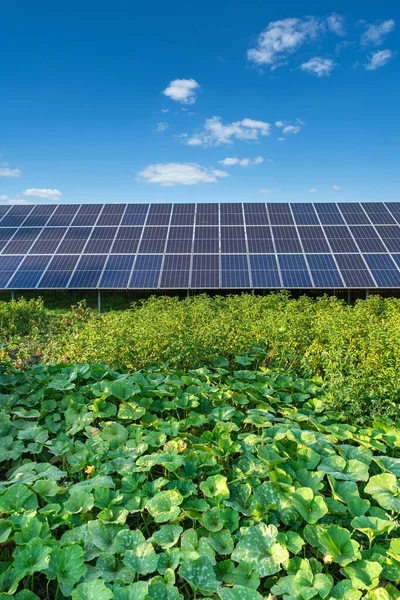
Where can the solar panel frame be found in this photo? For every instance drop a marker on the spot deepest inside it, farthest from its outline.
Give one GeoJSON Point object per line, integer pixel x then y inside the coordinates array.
{"type": "Point", "coordinates": [294, 271]}
{"type": "Point", "coordinates": [207, 214]}
{"type": "Point", "coordinates": [367, 238]}
{"type": "Point", "coordinates": [383, 269]}
{"type": "Point", "coordinates": [324, 271]}
{"type": "Point", "coordinates": [233, 239]}
{"type": "Point", "coordinates": [175, 271]}
{"type": "Point", "coordinates": [353, 213]}
{"type": "Point", "coordinates": [304, 213]}
{"type": "Point", "coordinates": [205, 272]}
{"type": "Point", "coordinates": [279, 213]}
{"type": "Point", "coordinates": [265, 273]}
{"type": "Point", "coordinates": [329, 213]}
{"type": "Point", "coordinates": [235, 271]}
{"type": "Point", "coordinates": [259, 239]}
{"type": "Point", "coordinates": [340, 239]}
{"type": "Point", "coordinates": [206, 239]}
{"type": "Point", "coordinates": [354, 271]}
{"type": "Point", "coordinates": [390, 236]}
{"type": "Point", "coordinates": [255, 214]}
{"type": "Point", "coordinates": [146, 271]}
{"type": "Point", "coordinates": [286, 239]}
{"type": "Point", "coordinates": [313, 239]}
{"type": "Point", "coordinates": [378, 213]}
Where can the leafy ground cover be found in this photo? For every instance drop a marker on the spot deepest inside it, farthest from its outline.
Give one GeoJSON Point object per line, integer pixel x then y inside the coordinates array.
{"type": "Point", "coordinates": [355, 349]}
{"type": "Point", "coordinates": [225, 483]}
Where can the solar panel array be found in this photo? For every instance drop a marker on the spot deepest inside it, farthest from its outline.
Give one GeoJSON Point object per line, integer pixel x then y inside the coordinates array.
{"type": "Point", "coordinates": [200, 246]}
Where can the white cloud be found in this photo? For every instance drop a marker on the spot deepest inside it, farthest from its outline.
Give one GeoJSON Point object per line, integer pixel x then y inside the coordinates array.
{"type": "Point", "coordinates": [243, 162]}
{"type": "Point", "coordinates": [182, 90]}
{"type": "Point", "coordinates": [336, 24]}
{"type": "Point", "coordinates": [169, 174]}
{"type": "Point", "coordinates": [321, 67]}
{"type": "Point", "coordinates": [282, 38]}
{"type": "Point", "coordinates": [216, 133]}
{"type": "Point", "coordinates": [281, 139]}
{"type": "Point", "coordinates": [378, 59]}
{"type": "Point", "coordinates": [49, 194]}
{"type": "Point", "coordinates": [165, 110]}
{"type": "Point", "coordinates": [289, 128]}
{"type": "Point", "coordinates": [336, 188]}
{"type": "Point", "coordinates": [6, 172]}
{"type": "Point", "coordinates": [313, 190]}
{"type": "Point", "coordinates": [162, 126]}
{"type": "Point", "coordinates": [267, 191]}
{"type": "Point", "coordinates": [375, 33]}
{"type": "Point", "coordinates": [3, 198]}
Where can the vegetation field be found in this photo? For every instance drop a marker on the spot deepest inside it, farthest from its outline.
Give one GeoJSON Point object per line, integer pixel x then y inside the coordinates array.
{"type": "Point", "coordinates": [355, 350]}
{"type": "Point", "coordinates": [231, 483]}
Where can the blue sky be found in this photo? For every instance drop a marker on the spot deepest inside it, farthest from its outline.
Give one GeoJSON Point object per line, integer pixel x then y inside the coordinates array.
{"type": "Point", "coordinates": [133, 102]}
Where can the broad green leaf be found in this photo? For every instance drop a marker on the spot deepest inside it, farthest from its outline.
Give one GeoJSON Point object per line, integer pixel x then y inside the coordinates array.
{"type": "Point", "coordinates": [92, 590]}
{"type": "Point", "coordinates": [372, 526]}
{"type": "Point", "coordinates": [363, 574]}
{"type": "Point", "coordinates": [164, 506]}
{"type": "Point", "coordinates": [79, 501]}
{"type": "Point", "coordinates": [141, 556]}
{"type": "Point", "coordinates": [168, 535]}
{"type": "Point", "coordinates": [385, 490]}
{"type": "Point", "coordinates": [33, 558]}
{"type": "Point", "coordinates": [18, 499]}
{"type": "Point", "coordinates": [246, 577]}
{"type": "Point", "coordinates": [304, 585]}
{"type": "Point", "coordinates": [259, 548]}
{"type": "Point", "coordinates": [103, 535]}
{"type": "Point", "coordinates": [221, 541]}
{"type": "Point", "coordinates": [134, 591]}
{"type": "Point", "coordinates": [67, 565]}
{"type": "Point", "coordinates": [337, 546]}
{"type": "Point", "coordinates": [200, 574]}
{"type": "Point", "coordinates": [344, 590]}
{"type": "Point", "coordinates": [312, 507]}
{"type": "Point", "coordinates": [387, 463]}
{"type": "Point", "coordinates": [215, 487]}
{"type": "Point", "coordinates": [121, 389]}
{"type": "Point", "coordinates": [238, 592]}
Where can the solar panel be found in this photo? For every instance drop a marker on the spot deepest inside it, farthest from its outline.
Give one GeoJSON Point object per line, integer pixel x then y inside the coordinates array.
{"type": "Point", "coordinates": [180, 240]}
{"type": "Point", "coordinates": [328, 213]}
{"type": "Point", "coordinates": [280, 214]}
{"type": "Point", "coordinates": [353, 213]}
{"type": "Point", "coordinates": [354, 271]}
{"type": "Point", "coordinates": [8, 266]}
{"type": "Point", "coordinates": [233, 240]}
{"type": "Point", "coordinates": [185, 245]}
{"type": "Point", "coordinates": [176, 271]}
{"type": "Point", "coordinates": [117, 271]}
{"type": "Point", "coordinates": [378, 213]}
{"type": "Point", "coordinates": [234, 271]}
{"type": "Point", "coordinates": [340, 239]}
{"type": "Point", "coordinates": [74, 240]}
{"type": "Point", "coordinates": [159, 214]}
{"type": "Point", "coordinates": [256, 213]}
{"type": "Point", "coordinates": [259, 239]}
{"type": "Point", "coordinates": [394, 209]}
{"type": "Point", "coordinates": [324, 271]}
{"type": "Point", "coordinates": [127, 240]}
{"type": "Point", "coordinates": [367, 239]}
{"type": "Point", "coordinates": [206, 240]}
{"type": "Point", "coordinates": [22, 240]}
{"type": "Point", "coordinates": [88, 271]}
{"type": "Point", "coordinates": [205, 271]}
{"type": "Point", "coordinates": [135, 214]}
{"type": "Point", "coordinates": [390, 234]}
{"type": "Point", "coordinates": [29, 272]}
{"type": "Point", "coordinates": [183, 214]}
{"type": "Point", "coordinates": [286, 239]}
{"type": "Point", "coordinates": [58, 272]}
{"type": "Point", "coordinates": [313, 239]}
{"type": "Point", "coordinates": [48, 240]}
{"type": "Point", "coordinates": [264, 271]}
{"type": "Point", "coordinates": [100, 240]}
{"type": "Point", "coordinates": [153, 240]}
{"type": "Point", "coordinates": [383, 269]}
{"type": "Point", "coordinates": [294, 271]}
{"type": "Point", "coordinates": [231, 214]}
{"type": "Point", "coordinates": [304, 214]}
{"type": "Point", "coordinates": [207, 214]}
{"type": "Point", "coordinates": [146, 272]}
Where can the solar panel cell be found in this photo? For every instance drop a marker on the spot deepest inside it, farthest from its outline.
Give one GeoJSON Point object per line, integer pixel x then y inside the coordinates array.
{"type": "Point", "coordinates": [304, 214]}
{"type": "Point", "coordinates": [324, 271]}
{"type": "Point", "coordinates": [328, 213]}
{"type": "Point", "coordinates": [340, 239]}
{"type": "Point", "coordinates": [256, 213]}
{"type": "Point", "coordinates": [264, 271]}
{"type": "Point", "coordinates": [146, 272]}
{"type": "Point", "coordinates": [259, 239]}
{"type": "Point", "coordinates": [313, 239]}
{"type": "Point", "coordinates": [175, 272]}
{"type": "Point", "coordinates": [279, 213]}
{"type": "Point", "coordinates": [353, 213]}
{"type": "Point", "coordinates": [286, 239]}
{"type": "Point", "coordinates": [383, 269]}
{"type": "Point", "coordinates": [354, 271]}
{"type": "Point", "coordinates": [206, 240]}
{"type": "Point", "coordinates": [367, 239]}
{"type": "Point", "coordinates": [390, 234]}
{"type": "Point", "coordinates": [153, 240]}
{"type": "Point", "coordinates": [159, 214]}
{"type": "Point", "coordinates": [378, 213]}
{"type": "Point", "coordinates": [74, 240]}
{"type": "Point", "coordinates": [294, 271]}
{"type": "Point", "coordinates": [180, 240]}
{"type": "Point", "coordinates": [29, 273]}
{"type": "Point", "coordinates": [205, 271]}
{"type": "Point", "coordinates": [234, 271]}
{"type": "Point", "coordinates": [207, 214]}
{"type": "Point", "coordinates": [231, 214]}
{"type": "Point", "coordinates": [8, 266]}
{"type": "Point", "coordinates": [233, 239]}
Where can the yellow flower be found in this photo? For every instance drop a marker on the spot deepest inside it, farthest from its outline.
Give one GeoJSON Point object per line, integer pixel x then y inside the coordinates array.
{"type": "Point", "coordinates": [89, 470]}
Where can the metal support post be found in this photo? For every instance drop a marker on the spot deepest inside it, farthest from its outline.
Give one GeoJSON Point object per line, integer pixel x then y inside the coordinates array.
{"type": "Point", "coordinates": [98, 300]}
{"type": "Point", "coordinates": [348, 296]}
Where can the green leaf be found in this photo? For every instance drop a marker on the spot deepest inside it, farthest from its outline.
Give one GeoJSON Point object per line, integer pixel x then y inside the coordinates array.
{"type": "Point", "coordinates": [5, 530]}
{"type": "Point", "coordinates": [200, 574]}
{"type": "Point", "coordinates": [246, 577]}
{"type": "Point", "coordinates": [164, 506]}
{"type": "Point", "coordinates": [104, 535]}
{"type": "Point", "coordinates": [33, 558]}
{"type": "Point", "coordinates": [131, 411]}
{"type": "Point", "coordinates": [364, 575]}
{"type": "Point", "coordinates": [79, 501]}
{"type": "Point", "coordinates": [304, 585]}
{"type": "Point", "coordinates": [215, 487]}
{"type": "Point", "coordinates": [385, 490]}
{"type": "Point", "coordinates": [168, 535]}
{"type": "Point", "coordinates": [337, 546]}
{"type": "Point", "coordinates": [258, 547]}
{"type": "Point", "coordinates": [92, 590]}
{"type": "Point", "coordinates": [134, 591]}
{"type": "Point", "coordinates": [221, 541]}
{"type": "Point", "coordinates": [345, 590]}
{"type": "Point", "coordinates": [18, 499]}
{"type": "Point", "coordinates": [372, 526]}
{"type": "Point", "coordinates": [121, 389]}
{"type": "Point", "coordinates": [238, 592]}
{"type": "Point", "coordinates": [67, 565]}
{"type": "Point", "coordinates": [141, 556]}
{"type": "Point", "coordinates": [312, 507]}
{"type": "Point", "coordinates": [387, 463]}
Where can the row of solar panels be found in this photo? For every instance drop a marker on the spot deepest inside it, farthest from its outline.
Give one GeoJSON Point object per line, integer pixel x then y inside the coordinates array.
{"type": "Point", "coordinates": [200, 239]}
{"type": "Point", "coordinates": [256, 213]}
{"type": "Point", "coordinates": [200, 271]}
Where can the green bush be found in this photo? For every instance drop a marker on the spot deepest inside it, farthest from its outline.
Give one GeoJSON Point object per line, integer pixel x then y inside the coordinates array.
{"type": "Point", "coordinates": [176, 485]}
